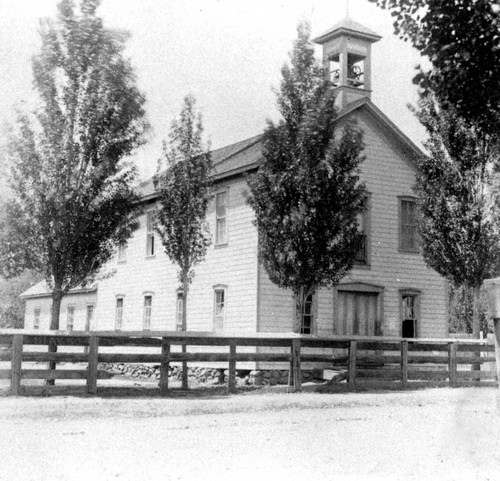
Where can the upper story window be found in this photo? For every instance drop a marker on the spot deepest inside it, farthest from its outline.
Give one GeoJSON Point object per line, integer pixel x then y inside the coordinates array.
{"type": "Point", "coordinates": [408, 233]}
{"type": "Point", "coordinates": [70, 318]}
{"type": "Point", "coordinates": [148, 305]}
{"type": "Point", "coordinates": [122, 251]}
{"type": "Point", "coordinates": [36, 318]}
{"type": "Point", "coordinates": [150, 233]}
{"type": "Point", "coordinates": [307, 316]}
{"type": "Point", "coordinates": [221, 206]}
{"type": "Point", "coordinates": [219, 308]}
{"type": "Point", "coordinates": [363, 218]}
{"type": "Point", "coordinates": [119, 313]}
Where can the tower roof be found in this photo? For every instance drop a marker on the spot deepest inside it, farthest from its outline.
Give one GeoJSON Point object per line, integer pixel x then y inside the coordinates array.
{"type": "Point", "coordinates": [348, 27]}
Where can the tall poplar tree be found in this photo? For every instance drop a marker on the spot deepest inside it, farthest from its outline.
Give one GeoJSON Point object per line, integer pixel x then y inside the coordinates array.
{"type": "Point", "coordinates": [459, 230]}
{"type": "Point", "coordinates": [184, 190]}
{"type": "Point", "coordinates": [183, 187]}
{"type": "Point", "coordinates": [307, 193]}
{"type": "Point", "coordinates": [72, 199]}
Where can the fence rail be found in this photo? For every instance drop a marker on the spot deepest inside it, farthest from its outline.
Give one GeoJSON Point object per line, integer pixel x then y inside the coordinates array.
{"type": "Point", "coordinates": [376, 359]}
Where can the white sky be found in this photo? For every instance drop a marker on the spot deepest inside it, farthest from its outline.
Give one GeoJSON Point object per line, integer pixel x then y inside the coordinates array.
{"type": "Point", "coordinates": [227, 53]}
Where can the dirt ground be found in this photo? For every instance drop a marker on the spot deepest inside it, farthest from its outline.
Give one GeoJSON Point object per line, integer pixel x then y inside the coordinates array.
{"type": "Point", "coordinates": [444, 434]}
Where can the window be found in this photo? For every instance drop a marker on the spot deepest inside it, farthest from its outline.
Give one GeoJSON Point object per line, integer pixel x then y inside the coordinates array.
{"type": "Point", "coordinates": [146, 319]}
{"type": "Point", "coordinates": [221, 217]}
{"type": "Point", "coordinates": [334, 70]}
{"type": "Point", "coordinates": [219, 308]}
{"type": "Point", "coordinates": [363, 218]}
{"type": "Point", "coordinates": [36, 318]}
{"type": "Point", "coordinates": [410, 308]}
{"type": "Point", "coordinates": [355, 70]}
{"type": "Point", "coordinates": [119, 313]}
{"type": "Point", "coordinates": [122, 251]}
{"type": "Point", "coordinates": [70, 318]}
{"type": "Point", "coordinates": [307, 316]}
{"type": "Point", "coordinates": [150, 233]}
{"type": "Point", "coordinates": [408, 235]}
{"type": "Point", "coordinates": [89, 317]}
{"type": "Point", "coordinates": [178, 311]}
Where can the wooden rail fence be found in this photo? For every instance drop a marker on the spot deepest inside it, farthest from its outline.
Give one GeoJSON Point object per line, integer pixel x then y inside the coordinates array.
{"type": "Point", "coordinates": [375, 359]}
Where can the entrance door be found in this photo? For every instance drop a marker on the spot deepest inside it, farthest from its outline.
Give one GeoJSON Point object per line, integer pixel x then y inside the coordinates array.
{"type": "Point", "coordinates": [358, 313]}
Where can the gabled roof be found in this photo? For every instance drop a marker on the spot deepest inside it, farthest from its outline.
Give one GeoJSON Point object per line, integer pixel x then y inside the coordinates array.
{"type": "Point", "coordinates": [227, 161]}
{"type": "Point", "coordinates": [385, 123]}
{"type": "Point", "coordinates": [246, 155]}
{"type": "Point", "coordinates": [348, 27]}
{"type": "Point", "coordinates": [41, 289]}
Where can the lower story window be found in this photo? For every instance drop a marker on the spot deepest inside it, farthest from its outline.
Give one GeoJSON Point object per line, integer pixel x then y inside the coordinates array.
{"type": "Point", "coordinates": [178, 311]}
{"type": "Point", "coordinates": [70, 318]}
{"type": "Point", "coordinates": [36, 318]}
{"type": "Point", "coordinates": [409, 314]}
{"type": "Point", "coordinates": [148, 305]}
{"type": "Point", "coordinates": [89, 318]}
{"type": "Point", "coordinates": [119, 313]}
{"type": "Point", "coordinates": [219, 309]}
{"type": "Point", "coordinates": [307, 316]}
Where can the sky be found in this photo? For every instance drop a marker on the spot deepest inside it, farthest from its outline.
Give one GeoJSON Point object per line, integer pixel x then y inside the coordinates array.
{"type": "Point", "coordinates": [227, 53]}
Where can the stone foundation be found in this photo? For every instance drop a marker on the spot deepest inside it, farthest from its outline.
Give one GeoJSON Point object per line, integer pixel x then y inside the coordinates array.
{"type": "Point", "coordinates": [211, 375]}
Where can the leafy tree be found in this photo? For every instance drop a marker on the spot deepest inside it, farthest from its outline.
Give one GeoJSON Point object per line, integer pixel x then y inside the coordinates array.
{"type": "Point", "coordinates": [461, 308]}
{"type": "Point", "coordinates": [11, 305]}
{"type": "Point", "coordinates": [459, 230]}
{"type": "Point", "coordinates": [461, 39]}
{"type": "Point", "coordinates": [184, 191]}
{"type": "Point", "coordinates": [72, 198]}
{"type": "Point", "coordinates": [307, 194]}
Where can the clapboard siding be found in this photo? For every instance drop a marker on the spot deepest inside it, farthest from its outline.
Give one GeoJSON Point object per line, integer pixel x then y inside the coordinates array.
{"type": "Point", "coordinates": [388, 175]}
{"type": "Point", "coordinates": [233, 265]}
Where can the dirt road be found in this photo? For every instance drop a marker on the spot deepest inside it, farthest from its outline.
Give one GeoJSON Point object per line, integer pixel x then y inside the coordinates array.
{"type": "Point", "coordinates": [444, 434]}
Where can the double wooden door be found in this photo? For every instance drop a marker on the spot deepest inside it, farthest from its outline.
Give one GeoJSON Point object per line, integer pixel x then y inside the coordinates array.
{"type": "Point", "coordinates": [358, 313]}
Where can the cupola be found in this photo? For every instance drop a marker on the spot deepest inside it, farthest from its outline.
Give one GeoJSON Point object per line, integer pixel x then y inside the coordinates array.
{"type": "Point", "coordinates": [347, 59]}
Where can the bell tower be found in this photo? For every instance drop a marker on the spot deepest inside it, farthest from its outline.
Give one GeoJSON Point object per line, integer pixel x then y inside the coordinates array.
{"type": "Point", "coordinates": [347, 59]}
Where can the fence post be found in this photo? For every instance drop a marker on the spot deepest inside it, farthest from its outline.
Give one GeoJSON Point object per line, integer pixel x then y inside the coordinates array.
{"type": "Point", "coordinates": [93, 364]}
{"type": "Point", "coordinates": [185, 373]}
{"type": "Point", "coordinates": [452, 362]}
{"type": "Point", "coordinates": [231, 381]}
{"type": "Point", "coordinates": [353, 350]}
{"type": "Point", "coordinates": [52, 364]}
{"type": "Point", "coordinates": [404, 363]}
{"type": "Point", "coordinates": [164, 366]}
{"type": "Point", "coordinates": [15, 369]}
{"type": "Point", "coordinates": [296, 368]}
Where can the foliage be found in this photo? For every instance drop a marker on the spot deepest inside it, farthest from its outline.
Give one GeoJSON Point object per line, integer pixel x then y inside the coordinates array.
{"type": "Point", "coordinates": [461, 38]}
{"type": "Point", "coordinates": [184, 191]}
{"type": "Point", "coordinates": [11, 305]}
{"type": "Point", "coordinates": [461, 310]}
{"type": "Point", "coordinates": [306, 195]}
{"type": "Point", "coordinates": [459, 230]}
{"type": "Point", "coordinates": [73, 200]}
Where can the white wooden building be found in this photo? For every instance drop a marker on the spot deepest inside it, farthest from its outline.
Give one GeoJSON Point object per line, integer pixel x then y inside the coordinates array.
{"type": "Point", "coordinates": [389, 292]}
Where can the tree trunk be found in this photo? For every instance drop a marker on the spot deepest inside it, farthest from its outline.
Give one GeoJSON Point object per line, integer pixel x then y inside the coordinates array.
{"type": "Point", "coordinates": [299, 298]}
{"type": "Point", "coordinates": [54, 326]}
{"type": "Point", "coordinates": [496, 331]}
{"type": "Point", "coordinates": [56, 308]}
{"type": "Point", "coordinates": [476, 317]}
{"type": "Point", "coordinates": [476, 311]}
{"type": "Point", "coordinates": [185, 288]}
